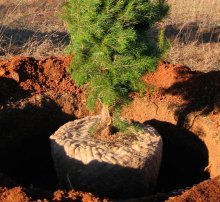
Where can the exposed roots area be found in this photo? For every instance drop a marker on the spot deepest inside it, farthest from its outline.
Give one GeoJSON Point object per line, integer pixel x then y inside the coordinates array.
{"type": "Point", "coordinates": [38, 96]}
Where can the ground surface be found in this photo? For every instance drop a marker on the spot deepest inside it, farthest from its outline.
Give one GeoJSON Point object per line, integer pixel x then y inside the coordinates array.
{"type": "Point", "coordinates": [34, 28]}
{"type": "Point", "coordinates": [34, 92]}
{"type": "Point", "coordinates": [37, 97]}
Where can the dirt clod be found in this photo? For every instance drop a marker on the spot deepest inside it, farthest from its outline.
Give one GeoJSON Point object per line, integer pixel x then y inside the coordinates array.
{"type": "Point", "coordinates": [75, 196]}
{"type": "Point", "coordinates": [13, 195]}
{"type": "Point", "coordinates": [206, 191]}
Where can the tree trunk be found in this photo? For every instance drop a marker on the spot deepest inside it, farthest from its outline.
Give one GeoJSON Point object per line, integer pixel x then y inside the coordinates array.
{"type": "Point", "coordinates": [106, 121]}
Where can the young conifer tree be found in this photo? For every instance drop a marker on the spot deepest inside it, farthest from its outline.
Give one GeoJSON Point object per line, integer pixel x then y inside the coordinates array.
{"type": "Point", "coordinates": [110, 46]}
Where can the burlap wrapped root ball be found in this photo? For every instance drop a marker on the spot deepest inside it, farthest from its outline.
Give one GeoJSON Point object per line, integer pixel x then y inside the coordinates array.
{"type": "Point", "coordinates": [119, 169]}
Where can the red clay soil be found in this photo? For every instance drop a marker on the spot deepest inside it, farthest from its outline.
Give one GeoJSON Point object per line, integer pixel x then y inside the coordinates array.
{"type": "Point", "coordinates": [75, 196]}
{"type": "Point", "coordinates": [186, 99]}
{"type": "Point", "coordinates": [198, 91]}
{"type": "Point", "coordinates": [208, 190]}
{"type": "Point", "coordinates": [22, 77]}
{"type": "Point", "coordinates": [13, 195]}
{"type": "Point", "coordinates": [37, 76]}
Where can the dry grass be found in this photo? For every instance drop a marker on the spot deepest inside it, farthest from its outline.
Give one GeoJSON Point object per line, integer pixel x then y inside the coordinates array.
{"type": "Point", "coordinates": [193, 28]}
{"type": "Point", "coordinates": [31, 27]}
{"type": "Point", "coordinates": [206, 11]}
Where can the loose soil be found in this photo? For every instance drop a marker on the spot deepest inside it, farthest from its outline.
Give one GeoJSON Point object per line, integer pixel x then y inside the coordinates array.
{"type": "Point", "coordinates": [38, 96]}
{"type": "Point", "coordinates": [206, 191]}
{"type": "Point", "coordinates": [18, 194]}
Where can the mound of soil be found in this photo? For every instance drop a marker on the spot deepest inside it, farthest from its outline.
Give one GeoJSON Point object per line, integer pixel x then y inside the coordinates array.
{"type": "Point", "coordinates": [208, 190]}
{"type": "Point", "coordinates": [34, 76]}
{"type": "Point", "coordinates": [38, 96]}
{"type": "Point", "coordinates": [21, 77]}
{"type": "Point", "coordinates": [15, 194]}
{"type": "Point", "coordinates": [193, 90]}
{"type": "Point", "coordinates": [181, 101]}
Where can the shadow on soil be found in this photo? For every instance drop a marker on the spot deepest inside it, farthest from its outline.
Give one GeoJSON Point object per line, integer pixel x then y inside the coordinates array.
{"type": "Point", "coordinates": [25, 147]}
{"type": "Point", "coordinates": [10, 89]}
{"type": "Point", "coordinates": [26, 157]}
{"type": "Point", "coordinates": [201, 93]}
{"type": "Point", "coordinates": [184, 160]}
{"type": "Point", "coordinates": [24, 142]}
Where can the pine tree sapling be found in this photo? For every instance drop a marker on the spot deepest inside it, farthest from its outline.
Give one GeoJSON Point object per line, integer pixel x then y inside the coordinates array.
{"type": "Point", "coordinates": [111, 48]}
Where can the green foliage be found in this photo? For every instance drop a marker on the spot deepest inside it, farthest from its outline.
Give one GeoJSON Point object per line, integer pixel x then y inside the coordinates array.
{"type": "Point", "coordinates": [110, 46]}
{"type": "Point", "coordinates": [123, 125]}
{"type": "Point", "coordinates": [118, 123]}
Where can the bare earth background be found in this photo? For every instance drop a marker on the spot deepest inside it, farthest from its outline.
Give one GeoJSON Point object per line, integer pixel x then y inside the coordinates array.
{"type": "Point", "coordinates": [33, 28]}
